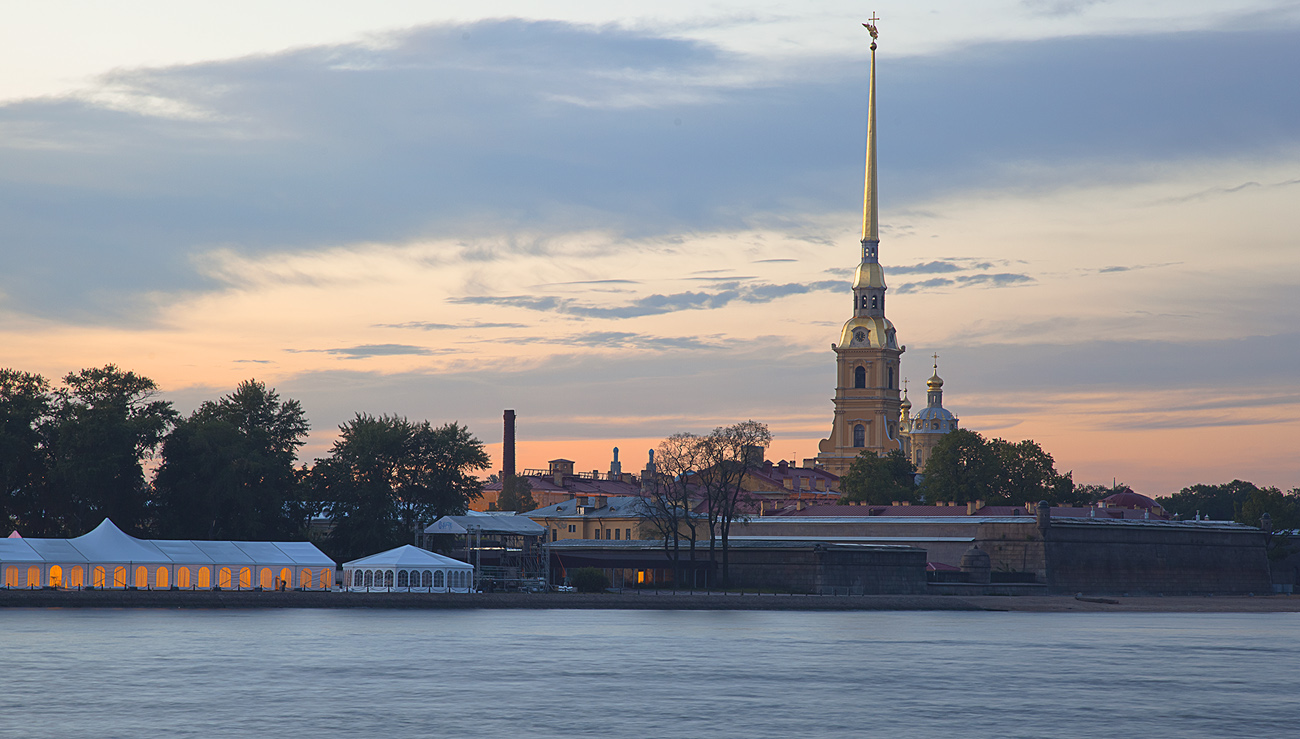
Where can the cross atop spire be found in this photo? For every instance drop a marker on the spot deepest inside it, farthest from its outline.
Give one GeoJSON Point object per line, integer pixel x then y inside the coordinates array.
{"type": "Point", "coordinates": [936, 360]}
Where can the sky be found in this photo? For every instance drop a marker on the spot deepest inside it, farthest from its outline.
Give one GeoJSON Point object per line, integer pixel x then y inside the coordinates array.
{"type": "Point", "coordinates": [624, 221]}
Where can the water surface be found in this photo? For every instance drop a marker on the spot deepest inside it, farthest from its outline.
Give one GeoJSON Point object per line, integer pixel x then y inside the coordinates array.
{"type": "Point", "coordinates": [535, 674]}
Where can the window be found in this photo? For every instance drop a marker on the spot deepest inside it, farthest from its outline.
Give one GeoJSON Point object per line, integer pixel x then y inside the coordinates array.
{"type": "Point", "coordinates": [74, 577]}
{"type": "Point", "coordinates": [286, 577]}
{"type": "Point", "coordinates": [573, 528]}
{"type": "Point", "coordinates": [98, 577]}
{"type": "Point", "coordinates": [142, 577]}
{"type": "Point", "coordinates": [357, 575]}
{"type": "Point", "coordinates": [864, 301]}
{"type": "Point", "coordinates": [119, 577]}
{"type": "Point", "coordinates": [629, 534]}
{"type": "Point", "coordinates": [245, 577]}
{"type": "Point", "coordinates": [160, 577]}
{"type": "Point", "coordinates": [402, 581]}
{"type": "Point", "coordinates": [597, 533]}
{"type": "Point", "coordinates": [205, 577]}
{"type": "Point", "coordinates": [223, 578]}
{"type": "Point", "coordinates": [875, 302]}
{"type": "Point", "coordinates": [56, 576]}
{"type": "Point", "coordinates": [860, 377]}
{"type": "Point", "coordinates": [859, 436]}
{"type": "Point", "coordinates": [437, 579]}
{"type": "Point", "coordinates": [555, 534]}
{"type": "Point", "coordinates": [426, 579]}
{"type": "Point", "coordinates": [304, 581]}
{"type": "Point", "coordinates": [616, 533]}
{"type": "Point", "coordinates": [890, 377]}
{"type": "Point", "coordinates": [34, 577]}
{"type": "Point", "coordinates": [369, 578]}
{"type": "Point", "coordinates": [388, 579]}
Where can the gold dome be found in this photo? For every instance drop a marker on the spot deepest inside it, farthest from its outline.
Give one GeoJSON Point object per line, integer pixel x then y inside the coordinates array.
{"type": "Point", "coordinates": [906, 404]}
{"type": "Point", "coordinates": [935, 382]}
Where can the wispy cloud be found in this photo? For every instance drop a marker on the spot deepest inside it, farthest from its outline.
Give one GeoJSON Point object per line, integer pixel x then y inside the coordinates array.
{"type": "Point", "coordinates": [374, 350]}
{"type": "Point", "coordinates": [1000, 279]}
{"type": "Point", "coordinates": [657, 304]}
{"type": "Point", "coordinates": [429, 326]}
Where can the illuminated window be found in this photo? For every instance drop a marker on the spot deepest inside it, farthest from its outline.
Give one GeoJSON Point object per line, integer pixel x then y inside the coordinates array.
{"type": "Point", "coordinates": [223, 578]}
{"type": "Point", "coordinates": [286, 578]}
{"type": "Point", "coordinates": [402, 581]}
{"type": "Point", "coordinates": [326, 578]}
{"type": "Point", "coordinates": [98, 578]}
{"type": "Point", "coordinates": [33, 577]}
{"type": "Point", "coordinates": [305, 581]}
{"type": "Point", "coordinates": [859, 435]}
{"type": "Point", "coordinates": [75, 577]}
{"type": "Point", "coordinates": [245, 577]}
{"type": "Point", "coordinates": [388, 579]}
{"type": "Point", "coordinates": [437, 579]}
{"type": "Point", "coordinates": [160, 577]}
{"type": "Point", "coordinates": [142, 577]}
{"type": "Point", "coordinates": [266, 578]}
{"type": "Point", "coordinates": [119, 577]}
{"type": "Point", "coordinates": [56, 576]}
{"type": "Point", "coordinates": [860, 377]}
{"type": "Point", "coordinates": [183, 577]}
{"type": "Point", "coordinates": [205, 577]}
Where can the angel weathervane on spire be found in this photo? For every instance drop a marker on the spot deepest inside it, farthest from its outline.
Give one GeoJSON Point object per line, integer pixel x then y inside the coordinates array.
{"type": "Point", "coordinates": [871, 28]}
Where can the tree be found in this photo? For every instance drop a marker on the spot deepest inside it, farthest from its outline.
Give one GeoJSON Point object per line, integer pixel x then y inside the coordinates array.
{"type": "Point", "coordinates": [386, 478]}
{"type": "Point", "coordinates": [668, 509]}
{"type": "Point", "coordinates": [227, 471]}
{"type": "Point", "coordinates": [25, 406]}
{"type": "Point", "coordinates": [1027, 473]}
{"type": "Point", "coordinates": [962, 468]}
{"type": "Point", "coordinates": [516, 495]}
{"type": "Point", "coordinates": [105, 424]}
{"type": "Point", "coordinates": [1217, 502]}
{"type": "Point", "coordinates": [879, 480]}
{"type": "Point", "coordinates": [729, 454]}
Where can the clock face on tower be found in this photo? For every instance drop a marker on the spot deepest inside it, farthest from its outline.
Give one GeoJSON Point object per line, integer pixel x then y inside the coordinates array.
{"type": "Point", "coordinates": [860, 335]}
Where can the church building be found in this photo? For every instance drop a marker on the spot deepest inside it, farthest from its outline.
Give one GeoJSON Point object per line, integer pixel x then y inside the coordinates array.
{"type": "Point", "coordinates": [867, 403]}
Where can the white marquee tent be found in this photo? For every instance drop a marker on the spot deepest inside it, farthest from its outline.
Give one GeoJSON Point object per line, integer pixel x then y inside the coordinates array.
{"type": "Point", "coordinates": [408, 569]}
{"type": "Point", "coordinates": [109, 558]}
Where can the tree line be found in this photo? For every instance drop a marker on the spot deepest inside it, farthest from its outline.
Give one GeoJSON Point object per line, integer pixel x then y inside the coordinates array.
{"type": "Point", "coordinates": [102, 444]}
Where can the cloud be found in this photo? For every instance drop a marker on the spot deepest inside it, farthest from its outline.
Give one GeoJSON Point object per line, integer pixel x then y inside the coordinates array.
{"type": "Point", "coordinates": [620, 339]}
{"type": "Point", "coordinates": [1058, 8]}
{"type": "Point", "coordinates": [1001, 279]}
{"type": "Point", "coordinates": [772, 261]}
{"type": "Point", "coordinates": [653, 305]}
{"type": "Point", "coordinates": [374, 350]}
{"type": "Point", "coordinates": [465, 130]}
{"type": "Point", "coordinates": [427, 326]}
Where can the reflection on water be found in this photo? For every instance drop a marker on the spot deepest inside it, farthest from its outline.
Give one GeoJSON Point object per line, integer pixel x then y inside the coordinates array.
{"type": "Point", "coordinates": [391, 674]}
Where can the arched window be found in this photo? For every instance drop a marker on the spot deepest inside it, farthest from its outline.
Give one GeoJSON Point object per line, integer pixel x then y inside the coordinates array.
{"type": "Point", "coordinates": [875, 302]}
{"type": "Point", "coordinates": [326, 578]}
{"type": "Point", "coordinates": [75, 577]}
{"type": "Point", "coordinates": [864, 301]}
{"type": "Point", "coordinates": [119, 577]}
{"type": "Point", "coordinates": [205, 578]}
{"type": "Point", "coordinates": [245, 577]}
{"type": "Point", "coordinates": [427, 579]}
{"type": "Point", "coordinates": [266, 579]}
{"type": "Point", "coordinates": [183, 577]}
{"type": "Point", "coordinates": [859, 435]}
{"type": "Point", "coordinates": [370, 578]}
{"type": "Point", "coordinates": [223, 578]}
{"type": "Point", "coordinates": [98, 577]}
{"type": "Point", "coordinates": [356, 578]}
{"type": "Point", "coordinates": [56, 576]}
{"type": "Point", "coordinates": [305, 580]}
{"type": "Point", "coordinates": [859, 377]}
{"type": "Point", "coordinates": [142, 577]}
{"type": "Point", "coordinates": [286, 577]}
{"type": "Point", "coordinates": [890, 377]}
{"type": "Point", "coordinates": [33, 577]}
{"type": "Point", "coordinates": [160, 577]}
{"type": "Point", "coordinates": [402, 581]}
{"type": "Point", "coordinates": [388, 579]}
{"type": "Point", "coordinates": [437, 579]}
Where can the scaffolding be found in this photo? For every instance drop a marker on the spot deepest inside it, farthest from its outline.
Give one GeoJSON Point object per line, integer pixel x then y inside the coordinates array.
{"type": "Point", "coordinates": [508, 552]}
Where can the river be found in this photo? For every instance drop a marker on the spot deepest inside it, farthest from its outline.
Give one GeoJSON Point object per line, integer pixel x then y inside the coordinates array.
{"type": "Point", "coordinates": [532, 674]}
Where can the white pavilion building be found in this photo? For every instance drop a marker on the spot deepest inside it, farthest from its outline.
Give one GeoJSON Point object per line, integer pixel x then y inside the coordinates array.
{"type": "Point", "coordinates": [408, 569]}
{"type": "Point", "coordinates": [109, 558]}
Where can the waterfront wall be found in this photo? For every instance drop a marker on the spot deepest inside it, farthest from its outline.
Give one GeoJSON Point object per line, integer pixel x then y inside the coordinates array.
{"type": "Point", "coordinates": [830, 570]}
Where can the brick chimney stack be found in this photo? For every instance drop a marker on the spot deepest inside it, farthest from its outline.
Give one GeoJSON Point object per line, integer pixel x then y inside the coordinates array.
{"type": "Point", "coordinates": [508, 448]}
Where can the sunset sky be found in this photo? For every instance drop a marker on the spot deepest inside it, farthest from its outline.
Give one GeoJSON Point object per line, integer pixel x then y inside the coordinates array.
{"type": "Point", "coordinates": [624, 220]}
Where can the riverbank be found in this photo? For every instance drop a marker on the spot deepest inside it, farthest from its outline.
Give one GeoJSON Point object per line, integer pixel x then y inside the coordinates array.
{"type": "Point", "coordinates": [173, 599]}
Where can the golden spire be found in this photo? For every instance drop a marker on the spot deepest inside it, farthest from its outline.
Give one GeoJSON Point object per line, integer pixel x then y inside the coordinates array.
{"type": "Point", "coordinates": [870, 208]}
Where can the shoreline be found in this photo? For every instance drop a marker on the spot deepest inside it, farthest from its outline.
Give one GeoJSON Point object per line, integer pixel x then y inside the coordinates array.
{"type": "Point", "coordinates": [183, 599]}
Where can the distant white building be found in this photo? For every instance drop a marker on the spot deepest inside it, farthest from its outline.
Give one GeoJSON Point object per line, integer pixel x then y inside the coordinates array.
{"type": "Point", "coordinates": [408, 569]}
{"type": "Point", "coordinates": [109, 558]}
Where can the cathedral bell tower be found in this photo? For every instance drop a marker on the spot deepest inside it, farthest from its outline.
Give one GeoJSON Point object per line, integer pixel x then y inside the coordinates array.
{"type": "Point", "coordinates": [867, 356]}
